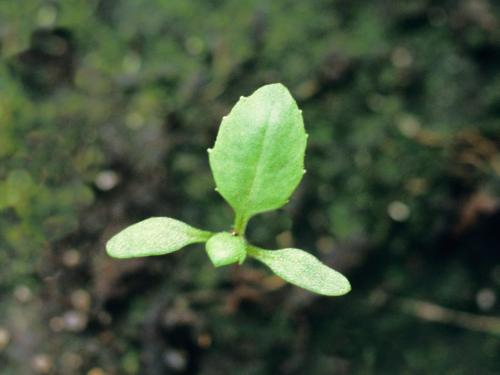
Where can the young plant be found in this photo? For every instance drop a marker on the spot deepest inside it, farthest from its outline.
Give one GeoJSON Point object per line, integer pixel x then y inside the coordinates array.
{"type": "Point", "coordinates": [257, 162]}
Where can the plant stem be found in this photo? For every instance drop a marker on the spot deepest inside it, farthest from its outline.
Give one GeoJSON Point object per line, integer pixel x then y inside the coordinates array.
{"type": "Point", "coordinates": [240, 224]}
{"type": "Point", "coordinates": [204, 235]}
{"type": "Point", "coordinates": [252, 250]}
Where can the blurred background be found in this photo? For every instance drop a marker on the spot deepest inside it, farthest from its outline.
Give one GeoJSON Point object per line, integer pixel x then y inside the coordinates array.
{"type": "Point", "coordinates": [107, 108]}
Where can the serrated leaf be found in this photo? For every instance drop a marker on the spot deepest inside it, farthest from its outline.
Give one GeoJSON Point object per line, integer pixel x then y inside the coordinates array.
{"type": "Point", "coordinates": [154, 236]}
{"type": "Point", "coordinates": [258, 157]}
{"type": "Point", "coordinates": [224, 248]}
{"type": "Point", "coordinates": [302, 269]}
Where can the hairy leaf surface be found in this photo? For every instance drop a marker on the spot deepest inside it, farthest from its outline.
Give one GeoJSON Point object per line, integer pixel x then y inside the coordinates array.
{"type": "Point", "coordinates": [224, 248]}
{"type": "Point", "coordinates": [258, 157]}
{"type": "Point", "coordinates": [154, 236]}
{"type": "Point", "coordinates": [302, 269]}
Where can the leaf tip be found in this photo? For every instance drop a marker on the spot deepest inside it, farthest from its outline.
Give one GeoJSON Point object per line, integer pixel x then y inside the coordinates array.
{"type": "Point", "coordinates": [112, 249]}
{"type": "Point", "coordinates": [346, 289]}
{"type": "Point", "coordinates": [342, 288]}
{"type": "Point", "coordinates": [276, 90]}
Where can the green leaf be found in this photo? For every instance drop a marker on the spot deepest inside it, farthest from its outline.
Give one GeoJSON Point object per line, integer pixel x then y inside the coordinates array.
{"type": "Point", "coordinates": [224, 248]}
{"type": "Point", "coordinates": [302, 269]}
{"type": "Point", "coordinates": [154, 236]}
{"type": "Point", "coordinates": [258, 157]}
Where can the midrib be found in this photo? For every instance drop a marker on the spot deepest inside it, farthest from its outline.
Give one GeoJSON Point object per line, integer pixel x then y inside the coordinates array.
{"type": "Point", "coordinates": [258, 166]}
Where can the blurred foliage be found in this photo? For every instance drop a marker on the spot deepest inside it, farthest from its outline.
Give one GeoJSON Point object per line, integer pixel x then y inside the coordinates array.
{"type": "Point", "coordinates": [115, 102]}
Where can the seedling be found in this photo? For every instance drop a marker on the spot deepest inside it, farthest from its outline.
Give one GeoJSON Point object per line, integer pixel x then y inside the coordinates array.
{"type": "Point", "coordinates": [257, 162]}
